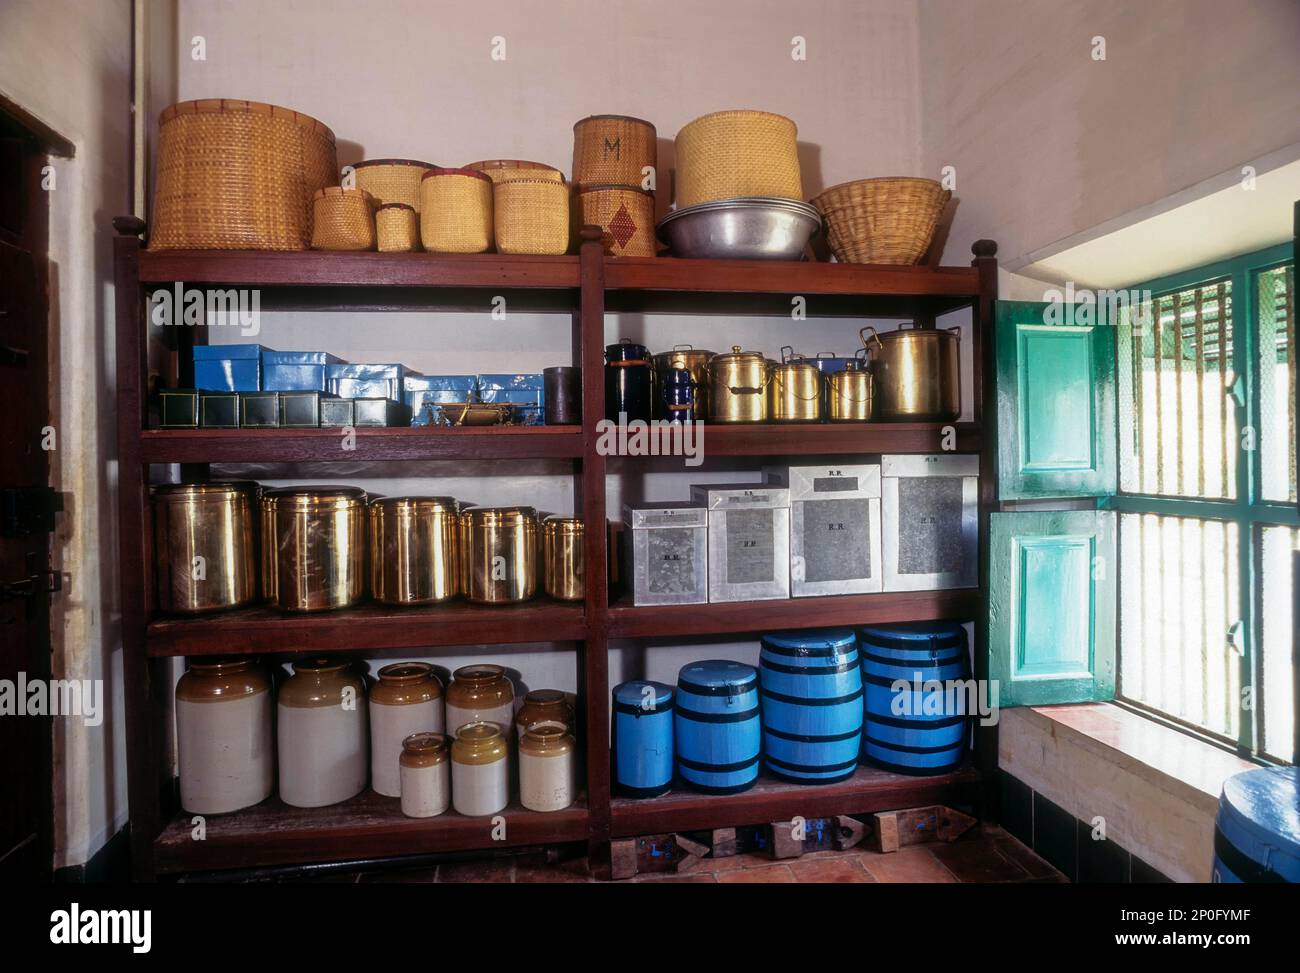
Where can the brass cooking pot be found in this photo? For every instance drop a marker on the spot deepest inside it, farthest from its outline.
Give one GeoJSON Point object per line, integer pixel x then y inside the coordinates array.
{"type": "Point", "coordinates": [917, 373]}
{"type": "Point", "coordinates": [320, 538]}
{"type": "Point", "coordinates": [738, 386]}
{"type": "Point", "coordinates": [414, 547]}
{"type": "Point", "coordinates": [851, 395]}
{"type": "Point", "coordinates": [213, 522]}
{"type": "Point", "coordinates": [498, 547]}
{"type": "Point", "coordinates": [563, 558]}
{"type": "Point", "coordinates": [795, 392]}
{"type": "Point", "coordinates": [695, 361]}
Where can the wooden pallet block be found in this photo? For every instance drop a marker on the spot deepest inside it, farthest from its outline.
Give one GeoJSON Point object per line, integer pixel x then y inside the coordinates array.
{"type": "Point", "coordinates": [892, 830]}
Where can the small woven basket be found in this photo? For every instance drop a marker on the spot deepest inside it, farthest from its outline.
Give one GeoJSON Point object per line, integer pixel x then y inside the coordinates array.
{"type": "Point", "coordinates": [344, 220]}
{"type": "Point", "coordinates": [889, 220]}
{"type": "Point", "coordinates": [730, 154]}
{"type": "Point", "coordinates": [612, 150]}
{"type": "Point", "coordinates": [505, 170]}
{"type": "Point", "coordinates": [625, 215]}
{"type": "Point", "coordinates": [397, 228]}
{"type": "Point", "coordinates": [531, 216]}
{"type": "Point", "coordinates": [456, 211]}
{"type": "Point", "coordinates": [392, 180]}
{"type": "Point", "coordinates": [238, 175]}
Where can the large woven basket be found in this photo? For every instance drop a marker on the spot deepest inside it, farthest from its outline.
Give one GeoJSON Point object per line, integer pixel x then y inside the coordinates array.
{"type": "Point", "coordinates": [238, 175]}
{"type": "Point", "coordinates": [732, 154]}
{"type": "Point", "coordinates": [531, 216]}
{"type": "Point", "coordinates": [890, 220]}
{"type": "Point", "coordinates": [504, 170]}
{"type": "Point", "coordinates": [344, 219]}
{"type": "Point", "coordinates": [625, 215]}
{"type": "Point", "coordinates": [392, 180]}
{"type": "Point", "coordinates": [612, 150]}
{"type": "Point", "coordinates": [456, 211]}
{"type": "Point", "coordinates": [397, 228]}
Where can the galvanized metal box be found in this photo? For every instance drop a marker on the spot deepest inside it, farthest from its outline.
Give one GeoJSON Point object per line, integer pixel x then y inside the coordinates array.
{"type": "Point", "coordinates": [749, 540]}
{"type": "Point", "coordinates": [930, 509]}
{"type": "Point", "coordinates": [835, 546]}
{"type": "Point", "coordinates": [668, 553]}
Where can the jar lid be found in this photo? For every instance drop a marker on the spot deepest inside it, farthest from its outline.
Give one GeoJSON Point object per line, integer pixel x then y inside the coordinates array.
{"type": "Point", "coordinates": [406, 671]}
{"type": "Point", "coordinates": [322, 663]}
{"type": "Point", "coordinates": [626, 350]}
{"type": "Point", "coordinates": [417, 504]}
{"type": "Point", "coordinates": [544, 697]}
{"type": "Point", "coordinates": [306, 497]}
{"type": "Point", "coordinates": [555, 524]}
{"type": "Point", "coordinates": [548, 735]}
{"type": "Point", "coordinates": [500, 516]}
{"type": "Point", "coordinates": [479, 672]}
{"type": "Point", "coordinates": [821, 642]}
{"type": "Point", "coordinates": [717, 675]}
{"type": "Point", "coordinates": [221, 663]}
{"type": "Point", "coordinates": [634, 694]}
{"type": "Point", "coordinates": [425, 742]}
{"type": "Point", "coordinates": [215, 490]}
{"type": "Point", "coordinates": [482, 731]}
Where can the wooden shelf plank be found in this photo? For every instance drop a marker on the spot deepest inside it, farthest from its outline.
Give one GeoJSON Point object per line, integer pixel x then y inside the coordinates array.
{"type": "Point", "coordinates": [404, 443]}
{"type": "Point", "coordinates": [720, 618]}
{"type": "Point", "coordinates": [368, 826]}
{"type": "Point", "coordinates": [869, 789]}
{"type": "Point", "coordinates": [368, 627]}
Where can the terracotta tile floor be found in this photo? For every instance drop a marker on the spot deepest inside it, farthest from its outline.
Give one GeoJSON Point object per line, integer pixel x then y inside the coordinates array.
{"type": "Point", "coordinates": [989, 854]}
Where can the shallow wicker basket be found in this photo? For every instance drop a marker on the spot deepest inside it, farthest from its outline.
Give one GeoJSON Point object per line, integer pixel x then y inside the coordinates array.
{"type": "Point", "coordinates": [456, 211]}
{"type": "Point", "coordinates": [890, 220]}
{"type": "Point", "coordinates": [504, 170]}
{"type": "Point", "coordinates": [612, 150]}
{"type": "Point", "coordinates": [392, 180]}
{"type": "Point", "coordinates": [397, 228]}
{"type": "Point", "coordinates": [531, 216]}
{"type": "Point", "coordinates": [238, 175]}
{"type": "Point", "coordinates": [344, 219]}
{"type": "Point", "coordinates": [734, 154]}
{"type": "Point", "coordinates": [625, 215]}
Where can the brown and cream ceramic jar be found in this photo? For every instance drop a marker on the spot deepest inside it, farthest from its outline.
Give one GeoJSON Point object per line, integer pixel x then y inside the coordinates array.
{"type": "Point", "coordinates": [322, 733]}
{"type": "Point", "coordinates": [425, 775]}
{"type": "Point", "coordinates": [406, 699]}
{"type": "Point", "coordinates": [480, 770]}
{"type": "Point", "coordinates": [545, 706]}
{"type": "Point", "coordinates": [479, 692]}
{"type": "Point", "coordinates": [546, 767]}
{"type": "Point", "coordinates": [223, 735]}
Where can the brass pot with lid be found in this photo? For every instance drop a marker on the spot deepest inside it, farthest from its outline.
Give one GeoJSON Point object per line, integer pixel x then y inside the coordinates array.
{"type": "Point", "coordinates": [320, 538]}
{"type": "Point", "coordinates": [794, 389]}
{"type": "Point", "coordinates": [414, 548]}
{"type": "Point", "coordinates": [851, 395]}
{"type": "Point", "coordinates": [204, 547]}
{"type": "Point", "coordinates": [738, 384]}
{"type": "Point", "coordinates": [693, 360]}
{"type": "Point", "coordinates": [917, 373]}
{"type": "Point", "coordinates": [563, 558]}
{"type": "Point", "coordinates": [498, 554]}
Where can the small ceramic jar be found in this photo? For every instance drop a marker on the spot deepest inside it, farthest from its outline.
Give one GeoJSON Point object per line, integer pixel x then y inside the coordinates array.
{"type": "Point", "coordinates": [544, 706]}
{"type": "Point", "coordinates": [321, 714]}
{"type": "Point", "coordinates": [480, 778]}
{"type": "Point", "coordinates": [224, 748]}
{"type": "Point", "coordinates": [425, 774]}
{"type": "Point", "coordinates": [407, 699]}
{"type": "Point", "coordinates": [546, 767]}
{"type": "Point", "coordinates": [479, 693]}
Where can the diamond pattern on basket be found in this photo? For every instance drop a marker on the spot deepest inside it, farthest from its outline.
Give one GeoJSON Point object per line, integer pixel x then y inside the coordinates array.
{"type": "Point", "coordinates": [622, 227]}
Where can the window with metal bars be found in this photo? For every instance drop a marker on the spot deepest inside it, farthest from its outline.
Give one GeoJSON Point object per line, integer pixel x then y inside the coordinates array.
{"type": "Point", "coordinates": [1207, 503]}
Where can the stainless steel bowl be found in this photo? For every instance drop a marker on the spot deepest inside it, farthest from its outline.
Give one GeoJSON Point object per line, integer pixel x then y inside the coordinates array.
{"type": "Point", "coordinates": [744, 229]}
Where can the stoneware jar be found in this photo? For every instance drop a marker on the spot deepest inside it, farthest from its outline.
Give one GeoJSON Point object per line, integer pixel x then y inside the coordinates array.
{"type": "Point", "coordinates": [479, 693]}
{"type": "Point", "coordinates": [407, 699]}
{"type": "Point", "coordinates": [223, 735]}
{"type": "Point", "coordinates": [546, 767]}
{"type": "Point", "coordinates": [322, 733]}
{"type": "Point", "coordinates": [545, 706]}
{"type": "Point", "coordinates": [426, 775]}
{"type": "Point", "coordinates": [480, 777]}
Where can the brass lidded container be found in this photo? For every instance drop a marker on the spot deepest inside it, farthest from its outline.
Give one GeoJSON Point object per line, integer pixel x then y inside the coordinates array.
{"type": "Point", "coordinates": [545, 706]}
{"type": "Point", "coordinates": [212, 521]}
{"type": "Point", "coordinates": [738, 386]}
{"type": "Point", "coordinates": [320, 538]}
{"type": "Point", "coordinates": [414, 550]}
{"type": "Point", "coordinates": [917, 373]}
{"type": "Point", "coordinates": [851, 395]}
{"type": "Point", "coordinates": [266, 542]}
{"type": "Point", "coordinates": [795, 392]}
{"type": "Point", "coordinates": [695, 361]}
{"type": "Point", "coordinates": [562, 558]}
{"type": "Point", "coordinates": [498, 547]}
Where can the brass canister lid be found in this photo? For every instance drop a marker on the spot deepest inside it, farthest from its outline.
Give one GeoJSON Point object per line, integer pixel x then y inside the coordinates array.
{"type": "Point", "coordinates": [525, 517]}
{"type": "Point", "coordinates": [739, 357]}
{"type": "Point", "coordinates": [563, 525]}
{"type": "Point", "coordinates": [216, 491]}
{"type": "Point", "coordinates": [413, 505]}
{"type": "Point", "coordinates": [314, 497]}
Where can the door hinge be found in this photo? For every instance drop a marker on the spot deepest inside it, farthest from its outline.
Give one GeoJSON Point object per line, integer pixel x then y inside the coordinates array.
{"type": "Point", "coordinates": [28, 510]}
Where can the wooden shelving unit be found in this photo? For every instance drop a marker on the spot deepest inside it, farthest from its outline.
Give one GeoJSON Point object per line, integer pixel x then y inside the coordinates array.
{"type": "Point", "coordinates": [584, 286]}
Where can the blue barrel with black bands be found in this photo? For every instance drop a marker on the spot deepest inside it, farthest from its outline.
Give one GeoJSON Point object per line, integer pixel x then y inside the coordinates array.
{"type": "Point", "coordinates": [716, 726]}
{"type": "Point", "coordinates": [811, 698]}
{"type": "Point", "coordinates": [642, 730]}
{"type": "Point", "coordinates": [920, 730]}
{"type": "Point", "coordinates": [1257, 830]}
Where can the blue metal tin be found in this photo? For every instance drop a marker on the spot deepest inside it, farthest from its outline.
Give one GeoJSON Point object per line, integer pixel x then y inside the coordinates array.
{"type": "Point", "coordinates": [716, 724]}
{"type": "Point", "coordinates": [628, 381]}
{"type": "Point", "coordinates": [642, 738]}
{"type": "Point", "coordinates": [296, 371]}
{"type": "Point", "coordinates": [679, 396]}
{"type": "Point", "coordinates": [425, 393]}
{"type": "Point", "coordinates": [1257, 830]}
{"type": "Point", "coordinates": [526, 390]}
{"type": "Point", "coordinates": [228, 368]}
{"type": "Point", "coordinates": [916, 730]}
{"type": "Point", "coordinates": [811, 693]}
{"type": "Point", "coordinates": [364, 381]}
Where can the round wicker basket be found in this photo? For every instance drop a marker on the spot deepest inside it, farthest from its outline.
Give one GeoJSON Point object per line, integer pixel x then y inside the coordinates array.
{"type": "Point", "coordinates": [456, 211]}
{"type": "Point", "coordinates": [734, 154]}
{"type": "Point", "coordinates": [392, 180]}
{"type": "Point", "coordinates": [531, 216]}
{"type": "Point", "coordinates": [612, 150]}
{"type": "Point", "coordinates": [625, 215]}
{"type": "Point", "coordinates": [890, 220]}
{"type": "Point", "coordinates": [344, 219]}
{"type": "Point", "coordinates": [397, 228]}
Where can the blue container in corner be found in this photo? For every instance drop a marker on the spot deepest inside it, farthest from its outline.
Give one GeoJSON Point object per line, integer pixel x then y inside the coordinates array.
{"type": "Point", "coordinates": [1257, 830]}
{"type": "Point", "coordinates": [642, 730]}
{"type": "Point", "coordinates": [228, 368]}
{"type": "Point", "coordinates": [296, 371]}
{"type": "Point", "coordinates": [716, 725]}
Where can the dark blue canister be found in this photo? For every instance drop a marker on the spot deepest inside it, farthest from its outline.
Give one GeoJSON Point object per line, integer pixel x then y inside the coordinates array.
{"type": "Point", "coordinates": [642, 728]}
{"type": "Point", "coordinates": [628, 381]}
{"type": "Point", "coordinates": [680, 398]}
{"type": "Point", "coordinates": [716, 726]}
{"type": "Point", "coordinates": [1257, 830]}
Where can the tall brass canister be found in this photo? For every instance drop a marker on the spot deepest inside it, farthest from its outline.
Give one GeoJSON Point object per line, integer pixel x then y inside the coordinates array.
{"type": "Point", "coordinates": [320, 538]}
{"type": "Point", "coordinates": [414, 545]}
{"type": "Point", "coordinates": [795, 392]}
{"type": "Point", "coordinates": [738, 386]}
{"type": "Point", "coordinates": [562, 558]}
{"type": "Point", "coordinates": [917, 373]}
{"type": "Point", "coordinates": [265, 540]}
{"type": "Point", "coordinates": [498, 547]}
{"type": "Point", "coordinates": [204, 545]}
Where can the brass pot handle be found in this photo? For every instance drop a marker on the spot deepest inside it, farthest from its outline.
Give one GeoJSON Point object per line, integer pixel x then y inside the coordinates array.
{"type": "Point", "coordinates": [866, 342]}
{"type": "Point", "coordinates": [806, 398]}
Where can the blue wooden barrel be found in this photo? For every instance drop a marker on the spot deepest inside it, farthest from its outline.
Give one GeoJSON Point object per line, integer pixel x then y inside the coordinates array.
{"type": "Point", "coordinates": [914, 731]}
{"type": "Point", "coordinates": [811, 698]}
{"type": "Point", "coordinates": [716, 725]}
{"type": "Point", "coordinates": [1257, 830]}
{"type": "Point", "coordinates": [642, 729]}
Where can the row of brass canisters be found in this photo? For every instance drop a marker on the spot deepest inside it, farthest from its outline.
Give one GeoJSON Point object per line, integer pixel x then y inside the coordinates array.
{"type": "Point", "coordinates": [321, 548]}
